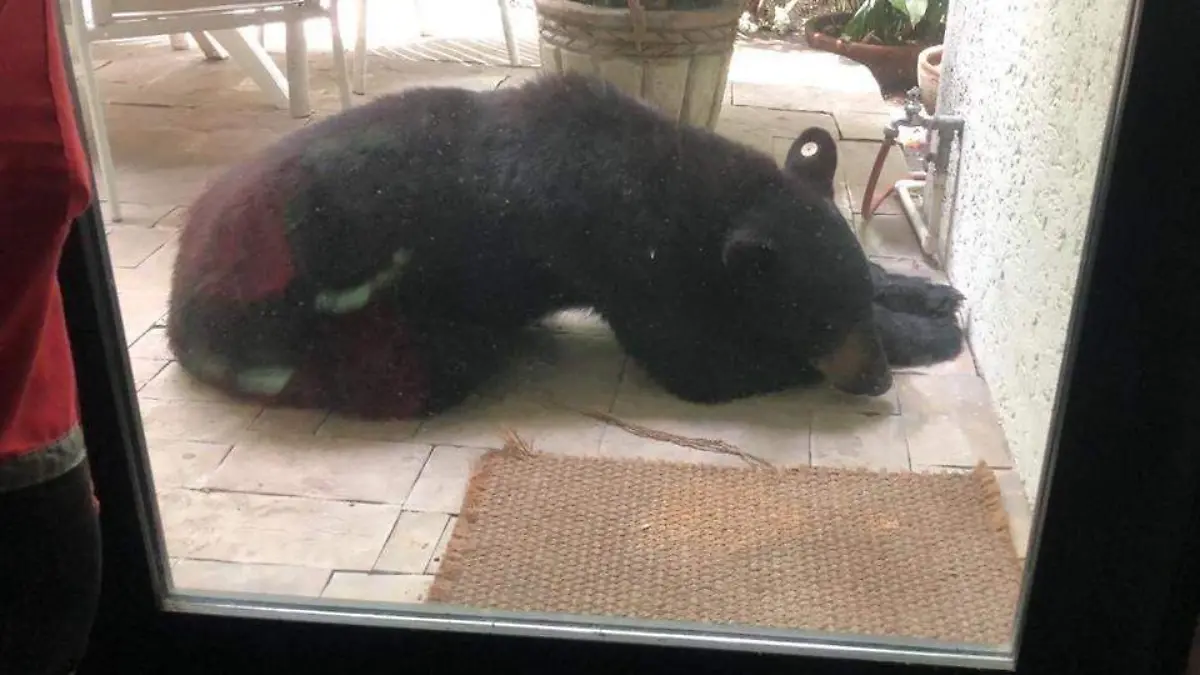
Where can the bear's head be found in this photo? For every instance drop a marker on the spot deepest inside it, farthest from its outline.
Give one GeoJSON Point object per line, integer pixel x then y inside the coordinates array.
{"type": "Point", "coordinates": [805, 279]}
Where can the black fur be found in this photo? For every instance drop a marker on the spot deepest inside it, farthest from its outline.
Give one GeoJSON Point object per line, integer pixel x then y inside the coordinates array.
{"type": "Point", "coordinates": [721, 274]}
{"type": "Point", "coordinates": [915, 318]}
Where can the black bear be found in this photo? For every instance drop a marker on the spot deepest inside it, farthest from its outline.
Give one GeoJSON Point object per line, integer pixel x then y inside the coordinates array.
{"type": "Point", "coordinates": [916, 318]}
{"type": "Point", "coordinates": [384, 260]}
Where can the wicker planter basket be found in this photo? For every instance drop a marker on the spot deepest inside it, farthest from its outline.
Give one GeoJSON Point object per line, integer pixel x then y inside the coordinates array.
{"type": "Point", "coordinates": [676, 59]}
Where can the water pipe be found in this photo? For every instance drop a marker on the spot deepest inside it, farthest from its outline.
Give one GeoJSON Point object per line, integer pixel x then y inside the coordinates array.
{"type": "Point", "coordinates": [912, 117]}
{"type": "Point", "coordinates": [915, 218]}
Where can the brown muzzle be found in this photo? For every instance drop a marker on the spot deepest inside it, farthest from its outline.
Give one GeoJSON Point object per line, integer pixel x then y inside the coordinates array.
{"type": "Point", "coordinates": [858, 366]}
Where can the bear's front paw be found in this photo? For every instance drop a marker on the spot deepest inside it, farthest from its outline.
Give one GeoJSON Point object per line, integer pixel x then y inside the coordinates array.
{"type": "Point", "coordinates": [942, 300]}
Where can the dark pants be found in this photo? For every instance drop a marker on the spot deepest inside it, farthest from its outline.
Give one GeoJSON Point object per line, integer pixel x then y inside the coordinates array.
{"type": "Point", "coordinates": [49, 574]}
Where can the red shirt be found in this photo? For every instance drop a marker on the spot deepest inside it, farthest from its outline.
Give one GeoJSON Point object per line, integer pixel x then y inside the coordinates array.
{"type": "Point", "coordinates": [44, 185]}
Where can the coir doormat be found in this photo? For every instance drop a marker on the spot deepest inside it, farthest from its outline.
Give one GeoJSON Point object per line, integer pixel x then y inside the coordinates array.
{"type": "Point", "coordinates": [883, 554]}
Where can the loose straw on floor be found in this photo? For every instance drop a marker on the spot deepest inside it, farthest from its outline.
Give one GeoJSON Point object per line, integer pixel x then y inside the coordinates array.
{"type": "Point", "coordinates": [702, 444]}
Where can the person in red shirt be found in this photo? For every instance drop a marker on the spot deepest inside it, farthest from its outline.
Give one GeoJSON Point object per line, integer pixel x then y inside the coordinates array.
{"type": "Point", "coordinates": [49, 529]}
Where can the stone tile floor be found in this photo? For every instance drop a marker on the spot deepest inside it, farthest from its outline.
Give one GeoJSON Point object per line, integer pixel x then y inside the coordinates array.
{"type": "Point", "coordinates": [304, 503]}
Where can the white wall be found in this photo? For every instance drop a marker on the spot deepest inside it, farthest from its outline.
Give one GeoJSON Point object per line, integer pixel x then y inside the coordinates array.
{"type": "Point", "coordinates": [1034, 80]}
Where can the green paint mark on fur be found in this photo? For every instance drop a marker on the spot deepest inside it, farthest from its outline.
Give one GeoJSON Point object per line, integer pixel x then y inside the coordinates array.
{"type": "Point", "coordinates": [343, 302]}
{"type": "Point", "coordinates": [207, 365]}
{"type": "Point", "coordinates": [264, 381]}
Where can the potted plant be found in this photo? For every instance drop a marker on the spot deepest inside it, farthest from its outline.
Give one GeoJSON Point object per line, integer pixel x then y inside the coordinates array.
{"type": "Point", "coordinates": [886, 36]}
{"type": "Point", "coordinates": [673, 53]}
{"type": "Point", "coordinates": [929, 74]}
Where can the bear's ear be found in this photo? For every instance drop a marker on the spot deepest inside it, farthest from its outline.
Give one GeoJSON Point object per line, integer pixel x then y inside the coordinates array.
{"type": "Point", "coordinates": [813, 159]}
{"type": "Point", "coordinates": [748, 252]}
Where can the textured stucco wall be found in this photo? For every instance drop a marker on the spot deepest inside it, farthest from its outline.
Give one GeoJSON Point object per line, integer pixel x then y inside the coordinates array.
{"type": "Point", "coordinates": [1034, 80]}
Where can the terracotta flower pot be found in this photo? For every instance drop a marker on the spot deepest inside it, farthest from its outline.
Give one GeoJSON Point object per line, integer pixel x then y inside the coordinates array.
{"type": "Point", "coordinates": [929, 73]}
{"type": "Point", "coordinates": [893, 66]}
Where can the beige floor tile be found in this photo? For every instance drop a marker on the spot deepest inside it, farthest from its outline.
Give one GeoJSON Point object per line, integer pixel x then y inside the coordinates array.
{"type": "Point", "coordinates": [442, 484]}
{"type": "Point", "coordinates": [218, 576]}
{"type": "Point", "coordinates": [413, 543]}
{"type": "Point", "coordinates": [862, 126]}
{"type": "Point", "coordinates": [286, 421]}
{"type": "Point", "coordinates": [399, 588]}
{"type": "Point", "coordinates": [955, 440]}
{"type": "Point", "coordinates": [154, 273]}
{"type": "Point", "coordinates": [439, 551]}
{"type": "Point", "coordinates": [178, 183]}
{"type": "Point", "coordinates": [343, 426]}
{"type": "Point", "coordinates": [934, 468]}
{"type": "Point", "coordinates": [855, 163]}
{"type": "Point", "coordinates": [178, 464]}
{"type": "Point", "coordinates": [167, 155]}
{"type": "Point", "coordinates": [172, 220]}
{"type": "Point", "coordinates": [887, 234]}
{"type": "Point", "coordinates": [151, 345]}
{"type": "Point", "coordinates": [804, 98]}
{"type": "Point", "coordinates": [144, 370]}
{"type": "Point", "coordinates": [134, 214]}
{"type": "Point", "coordinates": [196, 421]}
{"type": "Point", "coordinates": [249, 528]}
{"type": "Point", "coordinates": [775, 429]}
{"type": "Point", "coordinates": [172, 383]}
{"type": "Point", "coordinates": [759, 127]}
{"type": "Point", "coordinates": [949, 421]}
{"type": "Point", "coordinates": [484, 423]}
{"type": "Point", "coordinates": [849, 440]}
{"type": "Point", "coordinates": [322, 468]}
{"type": "Point", "coordinates": [130, 246]}
{"type": "Point", "coordinates": [140, 311]}
{"type": "Point", "coordinates": [943, 394]}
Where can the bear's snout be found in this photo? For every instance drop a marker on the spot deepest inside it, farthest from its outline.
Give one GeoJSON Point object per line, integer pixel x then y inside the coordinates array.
{"type": "Point", "coordinates": [858, 365]}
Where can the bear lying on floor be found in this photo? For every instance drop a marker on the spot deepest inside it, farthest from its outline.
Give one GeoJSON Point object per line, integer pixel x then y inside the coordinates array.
{"type": "Point", "coordinates": [915, 318]}
{"type": "Point", "coordinates": [383, 261]}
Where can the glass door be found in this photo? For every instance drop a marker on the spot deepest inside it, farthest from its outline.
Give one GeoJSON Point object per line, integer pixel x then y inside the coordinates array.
{"type": "Point", "coordinates": [518, 372]}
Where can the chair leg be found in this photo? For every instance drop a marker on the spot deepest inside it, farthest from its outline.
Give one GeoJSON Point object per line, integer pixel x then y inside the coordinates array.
{"type": "Point", "coordinates": [297, 67]}
{"type": "Point", "coordinates": [510, 41]}
{"type": "Point", "coordinates": [206, 45]}
{"type": "Point", "coordinates": [93, 108]}
{"type": "Point", "coordinates": [419, 10]}
{"type": "Point", "coordinates": [359, 81]}
{"type": "Point", "coordinates": [339, 55]}
{"type": "Point", "coordinates": [255, 61]}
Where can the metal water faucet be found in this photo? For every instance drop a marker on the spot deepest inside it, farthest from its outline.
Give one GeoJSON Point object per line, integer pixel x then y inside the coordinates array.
{"type": "Point", "coordinates": [913, 115]}
{"type": "Point", "coordinates": [947, 127]}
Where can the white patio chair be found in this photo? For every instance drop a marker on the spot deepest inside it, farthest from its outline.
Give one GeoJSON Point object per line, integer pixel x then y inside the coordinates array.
{"type": "Point", "coordinates": [360, 42]}
{"type": "Point", "coordinates": [203, 19]}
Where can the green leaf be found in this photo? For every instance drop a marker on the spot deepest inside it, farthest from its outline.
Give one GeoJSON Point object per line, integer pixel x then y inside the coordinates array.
{"type": "Point", "coordinates": [914, 10]}
{"type": "Point", "coordinates": [856, 27]}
